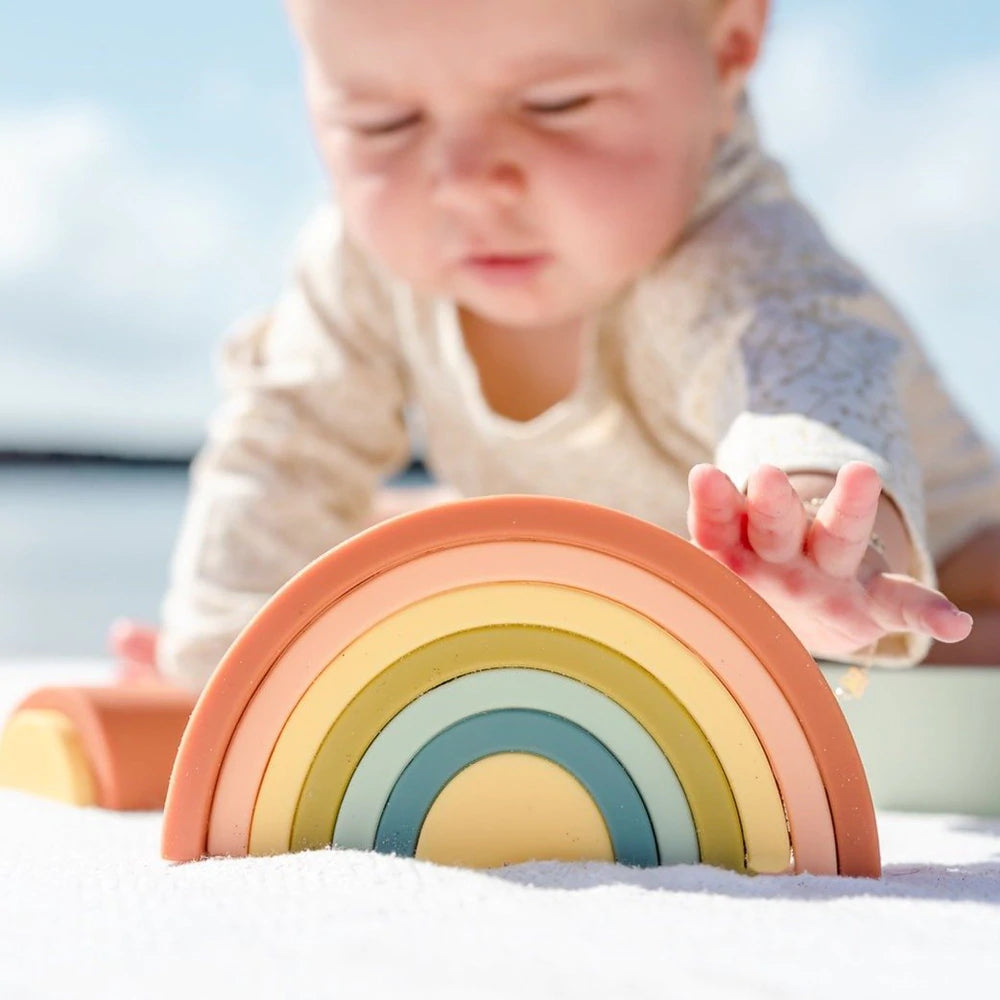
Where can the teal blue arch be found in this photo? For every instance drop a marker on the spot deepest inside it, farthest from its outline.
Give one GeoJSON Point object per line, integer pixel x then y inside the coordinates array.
{"type": "Point", "coordinates": [519, 687]}
{"type": "Point", "coordinates": [516, 730]}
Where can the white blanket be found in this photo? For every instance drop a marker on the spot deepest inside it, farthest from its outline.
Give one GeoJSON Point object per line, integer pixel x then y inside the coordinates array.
{"type": "Point", "coordinates": [87, 908]}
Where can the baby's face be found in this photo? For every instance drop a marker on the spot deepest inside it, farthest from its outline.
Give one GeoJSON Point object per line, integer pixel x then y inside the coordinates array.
{"type": "Point", "coordinates": [526, 159]}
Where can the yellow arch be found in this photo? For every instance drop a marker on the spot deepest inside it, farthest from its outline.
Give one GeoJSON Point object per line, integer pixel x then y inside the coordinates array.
{"type": "Point", "coordinates": [661, 715]}
{"type": "Point", "coordinates": [661, 654]}
{"type": "Point", "coordinates": [509, 808]}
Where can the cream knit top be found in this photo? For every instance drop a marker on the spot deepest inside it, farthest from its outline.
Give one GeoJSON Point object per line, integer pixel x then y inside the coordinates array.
{"type": "Point", "coordinates": [750, 341]}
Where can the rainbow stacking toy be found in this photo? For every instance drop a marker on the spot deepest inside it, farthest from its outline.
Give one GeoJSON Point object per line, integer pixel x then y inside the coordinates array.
{"type": "Point", "coordinates": [514, 678]}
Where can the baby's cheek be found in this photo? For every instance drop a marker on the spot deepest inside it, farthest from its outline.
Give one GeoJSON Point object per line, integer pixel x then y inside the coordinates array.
{"type": "Point", "coordinates": [626, 212]}
{"type": "Point", "coordinates": [385, 223]}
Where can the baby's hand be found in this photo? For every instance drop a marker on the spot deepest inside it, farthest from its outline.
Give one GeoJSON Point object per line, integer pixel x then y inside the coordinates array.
{"type": "Point", "coordinates": [134, 648]}
{"type": "Point", "coordinates": [822, 576]}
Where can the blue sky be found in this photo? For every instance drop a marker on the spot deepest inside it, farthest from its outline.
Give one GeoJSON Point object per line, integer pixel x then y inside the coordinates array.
{"type": "Point", "coordinates": [155, 166]}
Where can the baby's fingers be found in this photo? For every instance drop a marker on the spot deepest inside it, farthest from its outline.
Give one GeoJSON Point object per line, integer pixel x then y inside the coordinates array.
{"type": "Point", "coordinates": [776, 520]}
{"type": "Point", "coordinates": [901, 604]}
{"type": "Point", "coordinates": [715, 512]}
{"type": "Point", "coordinates": [842, 529]}
{"type": "Point", "coordinates": [133, 646]}
{"type": "Point", "coordinates": [132, 641]}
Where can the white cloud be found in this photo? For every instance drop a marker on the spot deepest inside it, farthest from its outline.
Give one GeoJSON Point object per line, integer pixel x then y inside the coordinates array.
{"type": "Point", "coordinates": [904, 173]}
{"type": "Point", "coordinates": [77, 200]}
{"type": "Point", "coordinates": [117, 276]}
{"type": "Point", "coordinates": [38, 153]}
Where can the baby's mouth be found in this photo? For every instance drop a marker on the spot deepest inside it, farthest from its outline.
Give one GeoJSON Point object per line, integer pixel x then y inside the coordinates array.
{"type": "Point", "coordinates": [505, 268]}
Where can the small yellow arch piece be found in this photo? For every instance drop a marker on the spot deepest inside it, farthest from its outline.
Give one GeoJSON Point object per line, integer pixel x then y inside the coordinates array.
{"type": "Point", "coordinates": [509, 808]}
{"type": "Point", "coordinates": [41, 753]}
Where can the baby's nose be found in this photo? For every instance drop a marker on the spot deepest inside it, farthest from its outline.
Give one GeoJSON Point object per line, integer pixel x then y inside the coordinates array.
{"type": "Point", "coordinates": [471, 164]}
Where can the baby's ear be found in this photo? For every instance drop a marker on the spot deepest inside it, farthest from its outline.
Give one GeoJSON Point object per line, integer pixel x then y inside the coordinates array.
{"type": "Point", "coordinates": [736, 35]}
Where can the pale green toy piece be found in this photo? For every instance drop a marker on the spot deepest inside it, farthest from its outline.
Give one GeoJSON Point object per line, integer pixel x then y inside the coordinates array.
{"type": "Point", "coordinates": [929, 737]}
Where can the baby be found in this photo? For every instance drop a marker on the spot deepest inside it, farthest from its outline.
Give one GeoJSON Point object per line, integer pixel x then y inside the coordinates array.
{"type": "Point", "coordinates": [558, 242]}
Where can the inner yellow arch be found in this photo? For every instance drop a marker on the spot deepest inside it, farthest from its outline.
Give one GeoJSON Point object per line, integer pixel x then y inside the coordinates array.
{"type": "Point", "coordinates": [592, 616]}
{"type": "Point", "coordinates": [509, 808]}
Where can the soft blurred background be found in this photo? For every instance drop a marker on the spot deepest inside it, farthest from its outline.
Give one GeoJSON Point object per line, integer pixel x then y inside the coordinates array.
{"type": "Point", "coordinates": [155, 167]}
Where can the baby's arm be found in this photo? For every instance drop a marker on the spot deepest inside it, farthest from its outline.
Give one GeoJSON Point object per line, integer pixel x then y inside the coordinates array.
{"type": "Point", "coordinates": [812, 385]}
{"type": "Point", "coordinates": [796, 362]}
{"type": "Point", "coordinates": [312, 420]}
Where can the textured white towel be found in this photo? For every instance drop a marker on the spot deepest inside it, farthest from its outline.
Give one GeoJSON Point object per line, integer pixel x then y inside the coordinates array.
{"type": "Point", "coordinates": [87, 908]}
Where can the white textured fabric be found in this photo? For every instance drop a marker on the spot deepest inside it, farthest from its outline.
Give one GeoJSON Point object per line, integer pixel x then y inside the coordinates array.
{"type": "Point", "coordinates": [751, 341]}
{"type": "Point", "coordinates": [88, 909]}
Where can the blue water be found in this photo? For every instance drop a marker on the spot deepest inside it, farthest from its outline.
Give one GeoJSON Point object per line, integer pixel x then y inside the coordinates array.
{"type": "Point", "coordinates": [79, 546]}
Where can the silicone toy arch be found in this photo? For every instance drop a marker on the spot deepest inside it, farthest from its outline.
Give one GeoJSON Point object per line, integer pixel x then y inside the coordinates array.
{"type": "Point", "coordinates": [109, 747]}
{"type": "Point", "coordinates": [493, 656]}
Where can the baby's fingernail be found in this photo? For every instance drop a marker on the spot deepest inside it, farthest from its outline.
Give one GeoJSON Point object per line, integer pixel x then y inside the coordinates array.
{"type": "Point", "coordinates": [946, 608]}
{"type": "Point", "coordinates": [954, 610]}
{"type": "Point", "coordinates": [963, 616]}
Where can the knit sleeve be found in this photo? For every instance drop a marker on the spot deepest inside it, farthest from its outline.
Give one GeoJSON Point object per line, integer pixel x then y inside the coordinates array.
{"type": "Point", "coordinates": [778, 361]}
{"type": "Point", "coordinates": [810, 390]}
{"type": "Point", "coordinates": [311, 419]}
